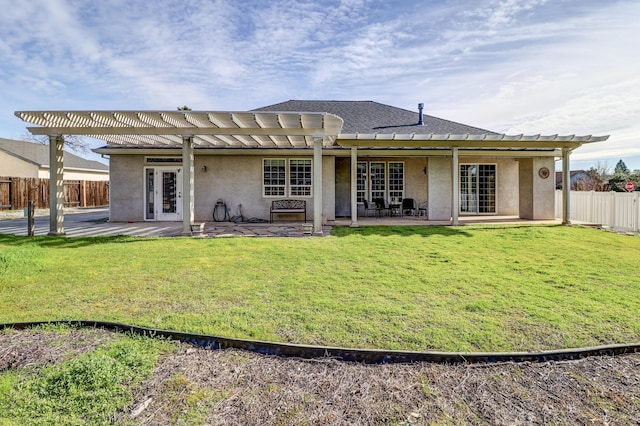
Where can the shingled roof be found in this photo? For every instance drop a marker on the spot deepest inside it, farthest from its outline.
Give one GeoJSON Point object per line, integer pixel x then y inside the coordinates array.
{"type": "Point", "coordinates": [38, 154]}
{"type": "Point", "coordinates": [374, 117]}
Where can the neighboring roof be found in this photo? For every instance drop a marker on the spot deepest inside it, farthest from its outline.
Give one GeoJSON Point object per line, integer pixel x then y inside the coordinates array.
{"type": "Point", "coordinates": [38, 154]}
{"type": "Point", "coordinates": [572, 175]}
{"type": "Point", "coordinates": [373, 117]}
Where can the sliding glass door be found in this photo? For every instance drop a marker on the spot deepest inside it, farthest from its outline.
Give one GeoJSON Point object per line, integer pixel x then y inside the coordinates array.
{"type": "Point", "coordinates": [478, 188]}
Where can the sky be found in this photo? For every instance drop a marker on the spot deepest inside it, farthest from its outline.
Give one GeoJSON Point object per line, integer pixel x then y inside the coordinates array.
{"type": "Point", "coordinates": [511, 66]}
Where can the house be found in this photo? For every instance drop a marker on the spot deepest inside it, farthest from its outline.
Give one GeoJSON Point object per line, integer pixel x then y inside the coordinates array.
{"type": "Point", "coordinates": [31, 160]}
{"type": "Point", "coordinates": [580, 180]}
{"type": "Point", "coordinates": [177, 165]}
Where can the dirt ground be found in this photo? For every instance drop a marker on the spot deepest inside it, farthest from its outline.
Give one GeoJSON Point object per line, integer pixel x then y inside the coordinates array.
{"type": "Point", "coordinates": [197, 386]}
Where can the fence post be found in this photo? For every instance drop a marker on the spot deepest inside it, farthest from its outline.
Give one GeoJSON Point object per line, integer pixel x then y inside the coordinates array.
{"type": "Point", "coordinates": [612, 209]}
{"type": "Point", "coordinates": [636, 211]}
{"type": "Point", "coordinates": [31, 222]}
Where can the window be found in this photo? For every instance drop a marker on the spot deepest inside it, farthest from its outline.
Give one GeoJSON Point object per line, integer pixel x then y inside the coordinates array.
{"type": "Point", "coordinates": [378, 180]}
{"type": "Point", "coordinates": [163, 159]}
{"type": "Point", "coordinates": [361, 181]}
{"type": "Point", "coordinates": [384, 180]}
{"type": "Point", "coordinates": [274, 177]}
{"type": "Point", "coordinates": [478, 188]}
{"type": "Point", "coordinates": [396, 181]}
{"type": "Point", "coordinates": [287, 179]}
{"type": "Point", "coordinates": [300, 181]}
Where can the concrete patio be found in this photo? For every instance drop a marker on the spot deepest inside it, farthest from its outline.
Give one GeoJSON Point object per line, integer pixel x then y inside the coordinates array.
{"type": "Point", "coordinates": [95, 222]}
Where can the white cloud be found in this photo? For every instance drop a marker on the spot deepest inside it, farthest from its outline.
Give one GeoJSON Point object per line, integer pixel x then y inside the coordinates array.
{"type": "Point", "coordinates": [532, 66]}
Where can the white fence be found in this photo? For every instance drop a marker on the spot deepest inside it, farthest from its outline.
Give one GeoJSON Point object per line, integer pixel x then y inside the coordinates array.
{"type": "Point", "coordinates": [618, 210]}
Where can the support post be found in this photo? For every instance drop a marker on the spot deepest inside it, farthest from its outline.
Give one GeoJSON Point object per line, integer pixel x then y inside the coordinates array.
{"type": "Point", "coordinates": [56, 185]}
{"type": "Point", "coordinates": [566, 187]}
{"type": "Point", "coordinates": [187, 184]}
{"type": "Point", "coordinates": [455, 187]}
{"type": "Point", "coordinates": [354, 186]}
{"type": "Point", "coordinates": [31, 221]}
{"type": "Point", "coordinates": [317, 186]}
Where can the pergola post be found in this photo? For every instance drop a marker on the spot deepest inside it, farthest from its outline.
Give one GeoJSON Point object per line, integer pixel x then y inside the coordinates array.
{"type": "Point", "coordinates": [354, 186]}
{"type": "Point", "coordinates": [56, 185]}
{"type": "Point", "coordinates": [187, 184]}
{"type": "Point", "coordinates": [566, 187]}
{"type": "Point", "coordinates": [317, 186]}
{"type": "Point", "coordinates": [455, 186]}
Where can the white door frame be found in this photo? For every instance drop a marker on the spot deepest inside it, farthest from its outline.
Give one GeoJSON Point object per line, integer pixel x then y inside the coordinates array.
{"type": "Point", "coordinates": [173, 211]}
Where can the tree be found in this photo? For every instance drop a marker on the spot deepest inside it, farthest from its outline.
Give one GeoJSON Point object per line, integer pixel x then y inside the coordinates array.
{"type": "Point", "coordinates": [621, 169]}
{"type": "Point", "coordinates": [184, 108]}
{"type": "Point", "coordinates": [74, 142]}
{"type": "Point", "coordinates": [620, 177]}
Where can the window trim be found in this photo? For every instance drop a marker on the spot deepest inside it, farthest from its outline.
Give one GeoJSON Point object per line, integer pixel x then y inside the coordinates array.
{"type": "Point", "coordinates": [291, 185]}
{"type": "Point", "coordinates": [264, 186]}
{"type": "Point", "coordinates": [287, 193]}
{"type": "Point", "coordinates": [495, 190]}
{"type": "Point", "coordinates": [367, 179]}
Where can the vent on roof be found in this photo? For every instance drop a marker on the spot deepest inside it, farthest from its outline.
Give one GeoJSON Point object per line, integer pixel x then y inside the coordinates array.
{"type": "Point", "coordinates": [420, 116]}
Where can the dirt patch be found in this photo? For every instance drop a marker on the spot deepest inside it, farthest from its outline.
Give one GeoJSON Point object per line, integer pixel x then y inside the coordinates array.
{"type": "Point", "coordinates": [195, 386]}
{"type": "Point", "coordinates": [19, 349]}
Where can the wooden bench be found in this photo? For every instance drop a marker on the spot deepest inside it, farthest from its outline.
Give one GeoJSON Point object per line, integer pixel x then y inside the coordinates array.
{"type": "Point", "coordinates": [288, 206]}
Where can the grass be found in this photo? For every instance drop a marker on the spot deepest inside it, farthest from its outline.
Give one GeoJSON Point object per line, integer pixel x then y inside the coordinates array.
{"type": "Point", "coordinates": [89, 389]}
{"type": "Point", "coordinates": [472, 288]}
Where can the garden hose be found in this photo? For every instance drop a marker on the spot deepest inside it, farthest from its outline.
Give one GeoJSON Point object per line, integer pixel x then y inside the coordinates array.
{"type": "Point", "coordinates": [220, 212]}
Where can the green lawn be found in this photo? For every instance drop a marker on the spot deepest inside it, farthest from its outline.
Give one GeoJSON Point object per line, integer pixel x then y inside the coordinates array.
{"type": "Point", "coordinates": [471, 288]}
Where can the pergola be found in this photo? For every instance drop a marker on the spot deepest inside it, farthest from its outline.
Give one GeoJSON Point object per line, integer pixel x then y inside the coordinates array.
{"type": "Point", "coordinates": [275, 130]}
{"type": "Point", "coordinates": [186, 129]}
{"type": "Point", "coordinates": [489, 144]}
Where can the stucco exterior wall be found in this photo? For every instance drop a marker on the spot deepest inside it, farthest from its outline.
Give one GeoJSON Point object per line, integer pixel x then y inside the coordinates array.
{"type": "Point", "coordinates": [507, 178]}
{"type": "Point", "coordinates": [440, 184]}
{"type": "Point", "coordinates": [85, 175]}
{"type": "Point", "coordinates": [415, 180]}
{"type": "Point", "coordinates": [126, 191]}
{"type": "Point", "coordinates": [328, 190]}
{"type": "Point", "coordinates": [537, 199]}
{"type": "Point", "coordinates": [11, 166]}
{"type": "Point", "coordinates": [439, 173]}
{"type": "Point", "coordinates": [343, 186]}
{"type": "Point", "coordinates": [237, 180]}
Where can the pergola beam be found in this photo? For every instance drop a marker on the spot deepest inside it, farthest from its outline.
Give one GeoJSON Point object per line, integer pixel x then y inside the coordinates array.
{"type": "Point", "coordinates": [178, 131]}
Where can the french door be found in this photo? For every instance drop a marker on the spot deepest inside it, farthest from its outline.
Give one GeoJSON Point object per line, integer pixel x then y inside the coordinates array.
{"type": "Point", "coordinates": [478, 188]}
{"type": "Point", "coordinates": [163, 193]}
{"type": "Point", "coordinates": [380, 179]}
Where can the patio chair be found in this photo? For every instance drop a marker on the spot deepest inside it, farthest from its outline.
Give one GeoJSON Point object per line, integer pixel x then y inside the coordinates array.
{"type": "Point", "coordinates": [380, 206]}
{"type": "Point", "coordinates": [422, 209]}
{"type": "Point", "coordinates": [408, 204]}
{"type": "Point", "coordinates": [368, 208]}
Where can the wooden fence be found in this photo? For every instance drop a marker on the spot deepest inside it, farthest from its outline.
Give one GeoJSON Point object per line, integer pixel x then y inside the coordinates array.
{"type": "Point", "coordinates": [15, 193]}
